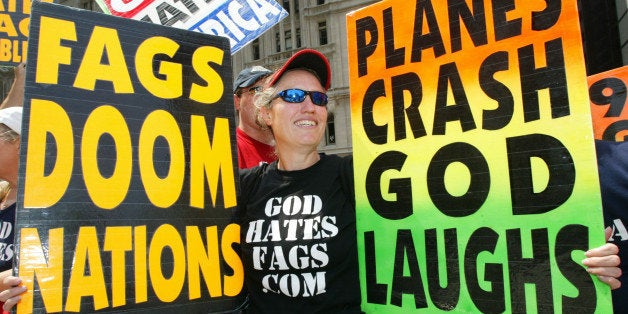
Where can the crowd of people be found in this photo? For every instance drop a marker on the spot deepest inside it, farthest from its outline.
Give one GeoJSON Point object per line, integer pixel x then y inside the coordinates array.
{"type": "Point", "coordinates": [282, 118]}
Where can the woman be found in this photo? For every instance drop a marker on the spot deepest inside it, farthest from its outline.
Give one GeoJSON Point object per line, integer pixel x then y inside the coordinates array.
{"type": "Point", "coordinates": [10, 128]}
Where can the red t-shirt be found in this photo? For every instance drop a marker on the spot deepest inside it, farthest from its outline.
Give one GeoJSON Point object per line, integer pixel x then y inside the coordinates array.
{"type": "Point", "coordinates": [251, 151]}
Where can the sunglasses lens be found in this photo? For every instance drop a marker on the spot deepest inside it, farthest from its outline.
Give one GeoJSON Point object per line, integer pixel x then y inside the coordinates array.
{"type": "Point", "coordinates": [318, 98]}
{"type": "Point", "coordinates": [293, 95]}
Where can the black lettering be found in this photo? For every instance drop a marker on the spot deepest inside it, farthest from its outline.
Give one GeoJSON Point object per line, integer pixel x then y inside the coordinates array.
{"type": "Point", "coordinates": [472, 200]}
{"type": "Point", "coordinates": [504, 28]}
{"type": "Point", "coordinates": [499, 117]}
{"type": "Point", "coordinates": [616, 100]}
{"type": "Point", "coordinates": [431, 40]}
{"type": "Point", "coordinates": [376, 133]}
{"type": "Point", "coordinates": [394, 56]}
{"type": "Point", "coordinates": [475, 22]}
{"type": "Point", "coordinates": [520, 274]}
{"type": "Point", "coordinates": [168, 14]}
{"type": "Point", "coordinates": [547, 18]}
{"type": "Point", "coordinates": [444, 298]}
{"type": "Point", "coordinates": [484, 240]}
{"type": "Point", "coordinates": [552, 76]}
{"type": "Point", "coordinates": [412, 83]}
{"type": "Point", "coordinates": [460, 111]}
{"type": "Point", "coordinates": [401, 187]}
{"type": "Point", "coordinates": [412, 284]}
{"type": "Point", "coordinates": [375, 292]}
{"type": "Point", "coordinates": [365, 49]}
{"type": "Point", "coordinates": [574, 238]}
{"type": "Point", "coordinates": [610, 134]}
{"type": "Point", "coordinates": [562, 173]}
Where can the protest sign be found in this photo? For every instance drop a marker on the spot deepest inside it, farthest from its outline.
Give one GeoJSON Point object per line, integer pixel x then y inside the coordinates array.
{"type": "Point", "coordinates": [476, 182]}
{"type": "Point", "coordinates": [127, 177]}
{"type": "Point", "coordinates": [608, 92]}
{"type": "Point", "coordinates": [239, 20]}
{"type": "Point", "coordinates": [14, 17]}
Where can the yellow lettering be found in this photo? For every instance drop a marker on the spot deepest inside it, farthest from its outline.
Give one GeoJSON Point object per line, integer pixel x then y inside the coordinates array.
{"type": "Point", "coordinates": [213, 159]}
{"type": "Point", "coordinates": [172, 85]}
{"type": "Point", "coordinates": [50, 53]}
{"type": "Point", "coordinates": [167, 289]}
{"type": "Point", "coordinates": [7, 26]}
{"type": "Point", "coordinates": [207, 261]}
{"type": "Point", "coordinates": [233, 284]}
{"type": "Point", "coordinates": [104, 40]}
{"type": "Point", "coordinates": [118, 241]}
{"type": "Point", "coordinates": [161, 192]}
{"type": "Point", "coordinates": [141, 273]}
{"type": "Point", "coordinates": [87, 252]}
{"type": "Point", "coordinates": [109, 192]}
{"type": "Point", "coordinates": [23, 27]}
{"type": "Point", "coordinates": [200, 61]}
{"type": "Point", "coordinates": [47, 117]}
{"type": "Point", "coordinates": [49, 273]}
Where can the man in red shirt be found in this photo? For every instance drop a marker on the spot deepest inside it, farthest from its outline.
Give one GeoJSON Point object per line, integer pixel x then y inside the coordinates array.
{"type": "Point", "coordinates": [255, 143]}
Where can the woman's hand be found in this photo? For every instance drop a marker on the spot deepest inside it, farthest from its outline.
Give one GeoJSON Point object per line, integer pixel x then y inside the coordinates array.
{"type": "Point", "coordinates": [13, 295]}
{"type": "Point", "coordinates": [604, 262]}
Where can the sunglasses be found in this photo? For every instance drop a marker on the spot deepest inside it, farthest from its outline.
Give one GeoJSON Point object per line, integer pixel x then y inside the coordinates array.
{"type": "Point", "coordinates": [295, 95]}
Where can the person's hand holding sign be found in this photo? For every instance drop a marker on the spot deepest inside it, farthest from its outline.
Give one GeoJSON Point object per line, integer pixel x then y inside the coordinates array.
{"type": "Point", "coordinates": [604, 262]}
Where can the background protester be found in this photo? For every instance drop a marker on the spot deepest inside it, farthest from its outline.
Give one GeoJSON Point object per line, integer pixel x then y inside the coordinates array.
{"type": "Point", "coordinates": [255, 143]}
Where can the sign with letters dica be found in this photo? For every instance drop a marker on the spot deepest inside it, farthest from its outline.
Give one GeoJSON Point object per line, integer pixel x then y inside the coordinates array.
{"type": "Point", "coordinates": [127, 173]}
{"type": "Point", "coordinates": [608, 92]}
{"type": "Point", "coordinates": [241, 21]}
{"type": "Point", "coordinates": [475, 170]}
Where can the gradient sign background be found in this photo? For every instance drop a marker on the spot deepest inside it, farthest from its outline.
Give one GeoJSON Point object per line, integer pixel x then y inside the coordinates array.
{"type": "Point", "coordinates": [476, 181]}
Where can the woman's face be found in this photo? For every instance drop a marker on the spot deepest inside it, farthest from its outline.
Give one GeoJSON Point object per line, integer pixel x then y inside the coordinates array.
{"type": "Point", "coordinates": [297, 124]}
{"type": "Point", "coordinates": [9, 155]}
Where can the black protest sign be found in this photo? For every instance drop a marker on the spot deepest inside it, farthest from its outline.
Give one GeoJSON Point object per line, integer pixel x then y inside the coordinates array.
{"type": "Point", "coordinates": [127, 178]}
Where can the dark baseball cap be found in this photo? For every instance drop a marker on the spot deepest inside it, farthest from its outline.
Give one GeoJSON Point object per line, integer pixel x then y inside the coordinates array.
{"type": "Point", "coordinates": [249, 76]}
{"type": "Point", "coordinates": [307, 59]}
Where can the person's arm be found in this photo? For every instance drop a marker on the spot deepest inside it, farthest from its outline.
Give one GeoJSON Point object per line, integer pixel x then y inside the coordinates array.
{"type": "Point", "coordinates": [603, 262]}
{"type": "Point", "coordinates": [15, 97]}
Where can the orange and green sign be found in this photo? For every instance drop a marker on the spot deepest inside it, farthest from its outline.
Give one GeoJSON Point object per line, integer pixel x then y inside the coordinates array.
{"type": "Point", "coordinates": [476, 181]}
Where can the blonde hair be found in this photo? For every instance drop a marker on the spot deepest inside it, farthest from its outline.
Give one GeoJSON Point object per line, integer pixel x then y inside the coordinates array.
{"type": "Point", "coordinates": [7, 134]}
{"type": "Point", "coordinates": [4, 189]}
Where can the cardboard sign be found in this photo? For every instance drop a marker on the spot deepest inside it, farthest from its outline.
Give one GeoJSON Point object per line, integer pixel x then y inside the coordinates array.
{"type": "Point", "coordinates": [14, 18]}
{"type": "Point", "coordinates": [476, 182]}
{"type": "Point", "coordinates": [127, 168]}
{"type": "Point", "coordinates": [608, 92]}
{"type": "Point", "coordinates": [239, 20]}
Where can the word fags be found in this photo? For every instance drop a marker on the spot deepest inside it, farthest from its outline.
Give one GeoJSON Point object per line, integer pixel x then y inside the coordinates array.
{"type": "Point", "coordinates": [295, 270]}
{"type": "Point", "coordinates": [194, 260]}
{"type": "Point", "coordinates": [105, 43]}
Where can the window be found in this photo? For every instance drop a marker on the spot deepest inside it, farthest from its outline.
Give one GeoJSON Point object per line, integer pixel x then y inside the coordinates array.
{"type": "Point", "coordinates": [319, 2]}
{"type": "Point", "coordinates": [322, 33]}
{"type": "Point", "coordinates": [330, 131]}
{"type": "Point", "coordinates": [296, 6]}
{"type": "Point", "coordinates": [277, 42]}
{"type": "Point", "coordinates": [298, 38]}
{"type": "Point", "coordinates": [286, 5]}
{"type": "Point", "coordinates": [255, 49]}
{"type": "Point", "coordinates": [288, 40]}
{"type": "Point", "coordinates": [88, 5]}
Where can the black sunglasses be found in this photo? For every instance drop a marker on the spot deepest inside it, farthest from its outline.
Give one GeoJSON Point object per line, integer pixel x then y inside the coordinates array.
{"type": "Point", "coordinates": [295, 95]}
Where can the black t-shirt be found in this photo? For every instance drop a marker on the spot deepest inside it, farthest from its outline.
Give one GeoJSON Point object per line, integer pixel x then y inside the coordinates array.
{"type": "Point", "coordinates": [7, 223]}
{"type": "Point", "coordinates": [613, 168]}
{"type": "Point", "coordinates": [298, 238]}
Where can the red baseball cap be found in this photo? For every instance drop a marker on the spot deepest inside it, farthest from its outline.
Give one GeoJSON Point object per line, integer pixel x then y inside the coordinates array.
{"type": "Point", "coordinates": [308, 59]}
